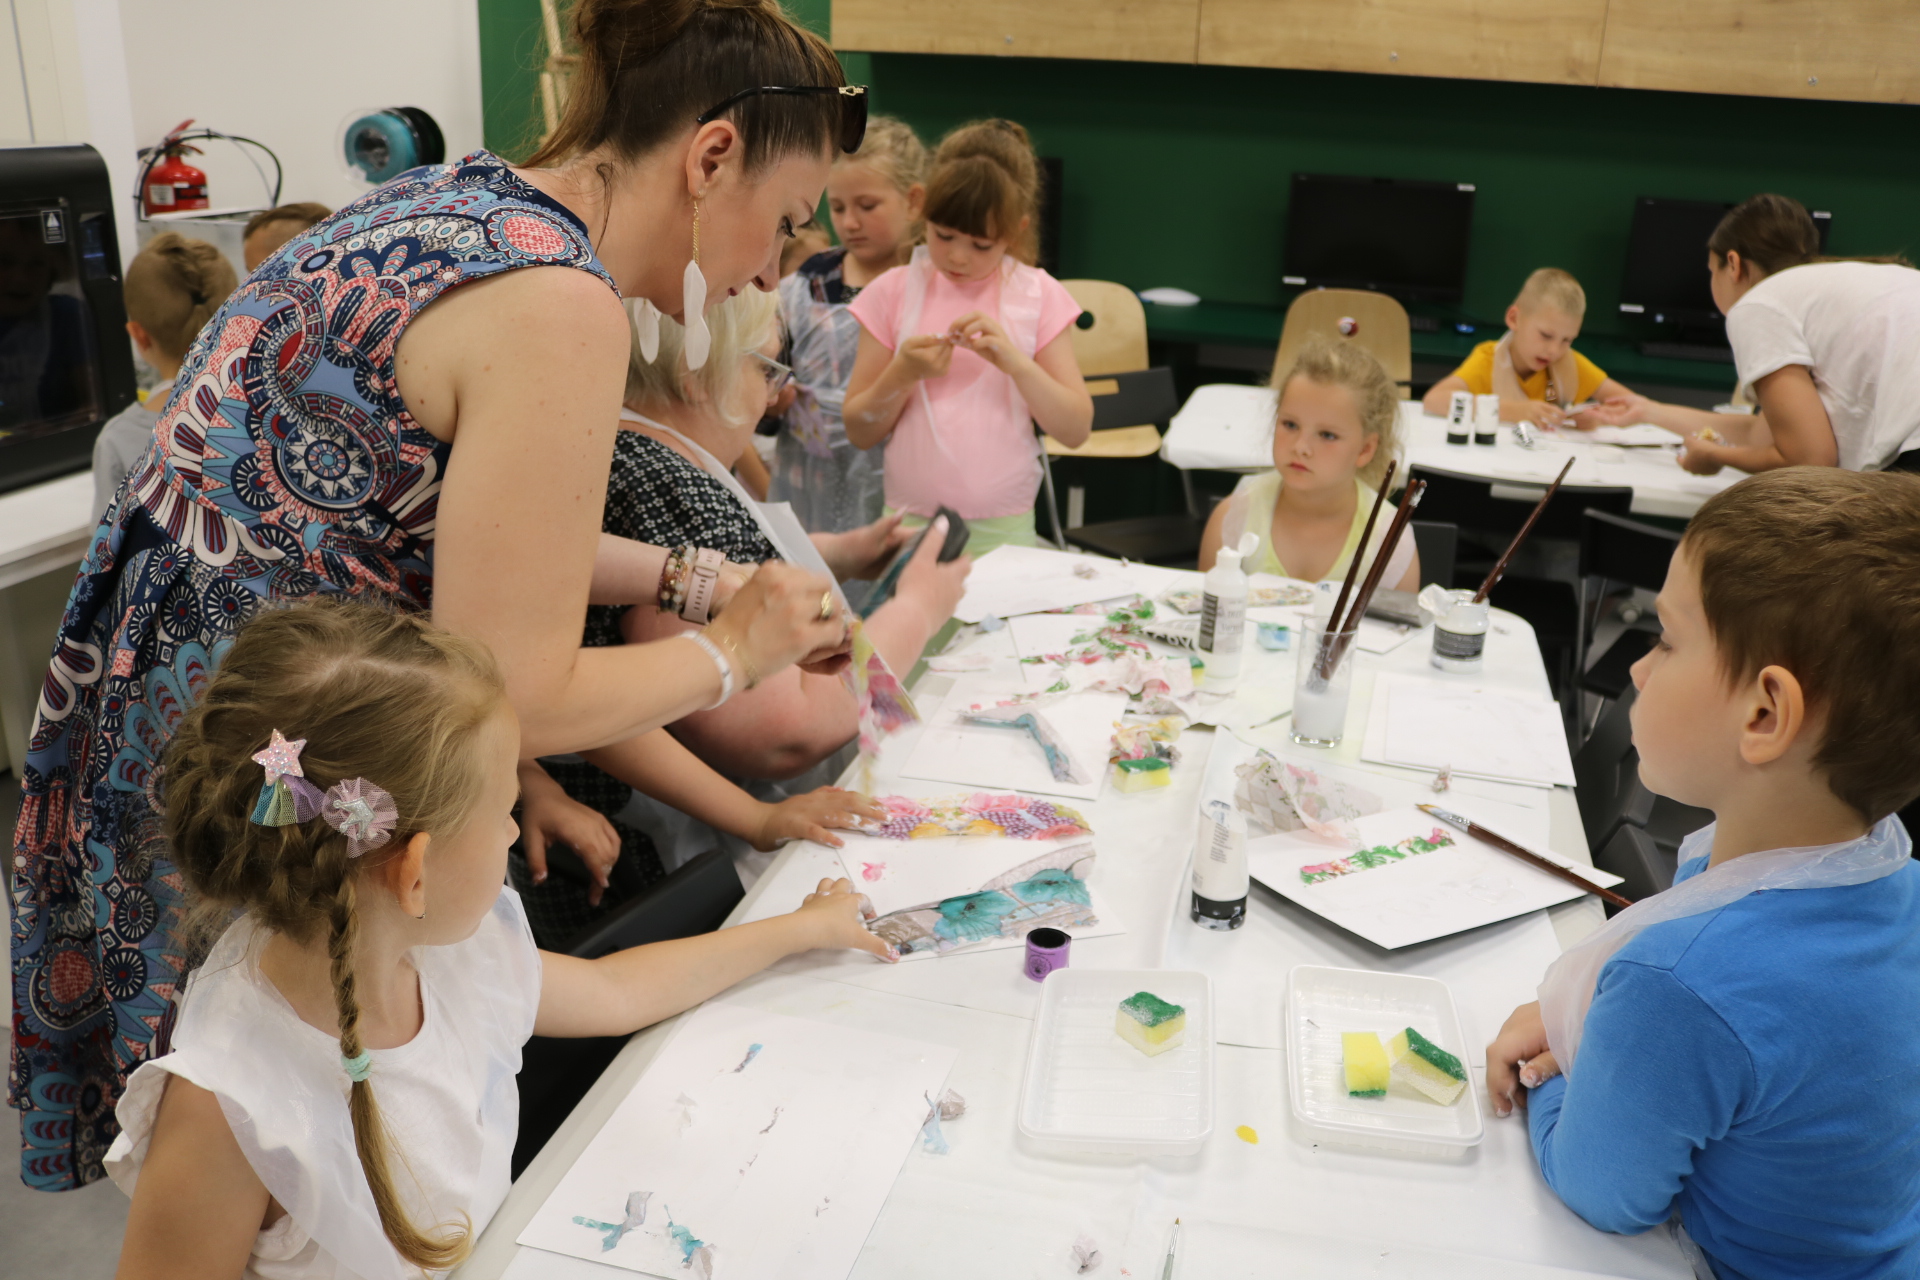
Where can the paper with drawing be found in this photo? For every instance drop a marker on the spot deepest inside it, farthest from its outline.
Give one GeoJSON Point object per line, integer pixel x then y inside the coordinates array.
{"type": "Point", "coordinates": [1070, 730]}
{"type": "Point", "coordinates": [755, 1147]}
{"type": "Point", "coordinates": [1474, 730]}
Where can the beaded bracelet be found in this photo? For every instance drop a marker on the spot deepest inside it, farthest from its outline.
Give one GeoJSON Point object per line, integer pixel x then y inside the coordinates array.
{"type": "Point", "coordinates": [673, 579]}
{"type": "Point", "coordinates": [720, 663]}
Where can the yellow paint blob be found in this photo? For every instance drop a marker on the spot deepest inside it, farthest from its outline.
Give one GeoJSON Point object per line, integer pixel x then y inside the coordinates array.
{"type": "Point", "coordinates": [1246, 1133]}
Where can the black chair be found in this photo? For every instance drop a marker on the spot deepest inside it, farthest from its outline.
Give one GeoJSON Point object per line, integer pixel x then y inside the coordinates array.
{"type": "Point", "coordinates": [1606, 775]}
{"type": "Point", "coordinates": [1436, 541]}
{"type": "Point", "coordinates": [1491, 512]}
{"type": "Point", "coordinates": [1614, 549]}
{"type": "Point", "coordinates": [555, 1073]}
{"type": "Point", "coordinates": [1143, 396]}
{"type": "Point", "coordinates": [1643, 865]}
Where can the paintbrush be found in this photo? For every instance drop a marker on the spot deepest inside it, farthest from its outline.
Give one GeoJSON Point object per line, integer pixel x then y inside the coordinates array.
{"type": "Point", "coordinates": [1500, 566]}
{"type": "Point", "coordinates": [1166, 1272]}
{"type": "Point", "coordinates": [1353, 566]}
{"type": "Point", "coordinates": [1349, 627]}
{"type": "Point", "coordinates": [1500, 842]}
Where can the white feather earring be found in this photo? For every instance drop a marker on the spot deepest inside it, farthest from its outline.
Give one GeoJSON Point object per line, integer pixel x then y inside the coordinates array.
{"type": "Point", "coordinates": [693, 303]}
{"type": "Point", "coordinates": [646, 327]}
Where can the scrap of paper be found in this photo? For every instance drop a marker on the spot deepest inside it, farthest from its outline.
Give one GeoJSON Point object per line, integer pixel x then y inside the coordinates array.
{"type": "Point", "coordinates": [1278, 795]}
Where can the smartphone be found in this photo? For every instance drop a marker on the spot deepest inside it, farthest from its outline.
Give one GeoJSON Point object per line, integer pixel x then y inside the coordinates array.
{"type": "Point", "coordinates": [957, 535]}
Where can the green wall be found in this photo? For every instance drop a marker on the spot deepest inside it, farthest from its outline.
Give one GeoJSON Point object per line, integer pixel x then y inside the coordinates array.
{"type": "Point", "coordinates": [1178, 175]}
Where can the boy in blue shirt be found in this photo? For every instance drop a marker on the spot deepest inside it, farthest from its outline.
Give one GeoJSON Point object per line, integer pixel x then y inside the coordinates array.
{"type": "Point", "coordinates": [1740, 1051]}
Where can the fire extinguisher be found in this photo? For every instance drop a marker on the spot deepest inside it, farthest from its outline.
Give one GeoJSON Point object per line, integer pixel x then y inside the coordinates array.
{"type": "Point", "coordinates": [171, 183]}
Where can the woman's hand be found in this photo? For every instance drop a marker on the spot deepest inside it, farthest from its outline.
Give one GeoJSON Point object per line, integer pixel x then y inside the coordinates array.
{"type": "Point", "coordinates": [838, 918]}
{"type": "Point", "coordinates": [810, 815]}
{"type": "Point", "coordinates": [1616, 411]}
{"type": "Point", "coordinates": [924, 355]}
{"type": "Point", "coordinates": [1519, 1059]}
{"type": "Point", "coordinates": [864, 552]}
{"type": "Point", "coordinates": [732, 578]}
{"type": "Point", "coordinates": [776, 620]}
{"type": "Point", "coordinates": [934, 588]}
{"type": "Point", "coordinates": [548, 815]}
{"type": "Point", "coordinates": [1703, 457]}
{"type": "Point", "coordinates": [981, 334]}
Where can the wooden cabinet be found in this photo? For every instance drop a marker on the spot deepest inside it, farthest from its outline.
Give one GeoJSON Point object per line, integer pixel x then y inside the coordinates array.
{"type": "Point", "coordinates": [1113, 30]}
{"type": "Point", "coordinates": [1861, 50]}
{"type": "Point", "coordinates": [1550, 41]}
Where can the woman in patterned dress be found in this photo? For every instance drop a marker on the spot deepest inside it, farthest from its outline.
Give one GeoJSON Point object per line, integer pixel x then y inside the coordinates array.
{"type": "Point", "coordinates": [413, 399]}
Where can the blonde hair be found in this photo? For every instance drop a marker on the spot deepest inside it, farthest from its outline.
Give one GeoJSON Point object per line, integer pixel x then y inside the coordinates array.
{"type": "Point", "coordinates": [985, 180]}
{"type": "Point", "coordinates": [1550, 286]}
{"type": "Point", "coordinates": [1375, 397]}
{"type": "Point", "coordinates": [894, 151]}
{"type": "Point", "coordinates": [302, 213]}
{"type": "Point", "coordinates": [378, 695]}
{"type": "Point", "coordinates": [740, 324]}
{"type": "Point", "coordinates": [173, 287]}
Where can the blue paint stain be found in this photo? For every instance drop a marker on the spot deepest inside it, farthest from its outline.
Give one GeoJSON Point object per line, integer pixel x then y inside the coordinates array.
{"type": "Point", "coordinates": [753, 1051]}
{"type": "Point", "coordinates": [1052, 885]}
{"type": "Point", "coordinates": [973, 916]}
{"type": "Point", "coordinates": [687, 1241]}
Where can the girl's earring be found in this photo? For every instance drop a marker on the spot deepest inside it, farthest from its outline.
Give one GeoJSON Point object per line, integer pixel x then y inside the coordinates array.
{"type": "Point", "coordinates": [646, 327]}
{"type": "Point", "coordinates": [693, 303]}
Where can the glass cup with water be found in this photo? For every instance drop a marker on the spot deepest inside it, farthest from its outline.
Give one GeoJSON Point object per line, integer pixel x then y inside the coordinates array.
{"type": "Point", "coordinates": [1322, 684]}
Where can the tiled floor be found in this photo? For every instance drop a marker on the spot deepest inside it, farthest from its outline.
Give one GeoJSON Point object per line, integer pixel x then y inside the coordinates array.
{"type": "Point", "coordinates": [74, 1235]}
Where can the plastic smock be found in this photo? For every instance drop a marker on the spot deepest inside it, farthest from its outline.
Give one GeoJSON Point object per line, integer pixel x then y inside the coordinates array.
{"type": "Point", "coordinates": [832, 486]}
{"type": "Point", "coordinates": [448, 1096]}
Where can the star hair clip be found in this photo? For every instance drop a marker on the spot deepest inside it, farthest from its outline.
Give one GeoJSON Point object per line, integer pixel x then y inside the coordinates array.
{"type": "Point", "coordinates": [358, 809]}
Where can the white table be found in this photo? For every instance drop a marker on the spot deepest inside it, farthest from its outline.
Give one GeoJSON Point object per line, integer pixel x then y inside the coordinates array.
{"type": "Point", "coordinates": [44, 530]}
{"type": "Point", "coordinates": [1230, 428]}
{"type": "Point", "coordinates": [991, 1208]}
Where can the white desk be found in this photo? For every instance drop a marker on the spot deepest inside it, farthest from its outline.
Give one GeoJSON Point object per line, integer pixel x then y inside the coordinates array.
{"type": "Point", "coordinates": [991, 1208]}
{"type": "Point", "coordinates": [1230, 428]}
{"type": "Point", "coordinates": [44, 531]}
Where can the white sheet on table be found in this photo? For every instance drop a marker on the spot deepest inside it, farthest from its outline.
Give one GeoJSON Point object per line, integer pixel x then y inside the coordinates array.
{"type": "Point", "coordinates": [1473, 729]}
{"type": "Point", "coordinates": [1224, 1251]}
{"type": "Point", "coordinates": [1640, 433]}
{"type": "Point", "coordinates": [1009, 759]}
{"type": "Point", "coordinates": [1014, 580]}
{"type": "Point", "coordinates": [780, 1164]}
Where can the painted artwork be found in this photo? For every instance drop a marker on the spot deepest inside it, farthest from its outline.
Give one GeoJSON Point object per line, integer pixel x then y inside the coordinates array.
{"type": "Point", "coordinates": [884, 704]}
{"type": "Point", "coordinates": [979, 813]}
{"type": "Point", "coordinates": [1049, 890]}
{"type": "Point", "coordinates": [1379, 855]}
{"type": "Point", "coordinates": [755, 1147]}
{"type": "Point", "coordinates": [1279, 795]}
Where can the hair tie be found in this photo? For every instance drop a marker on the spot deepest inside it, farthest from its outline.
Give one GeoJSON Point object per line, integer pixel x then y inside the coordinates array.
{"type": "Point", "coordinates": [362, 812]}
{"type": "Point", "coordinates": [358, 1065]}
{"type": "Point", "coordinates": [358, 809]}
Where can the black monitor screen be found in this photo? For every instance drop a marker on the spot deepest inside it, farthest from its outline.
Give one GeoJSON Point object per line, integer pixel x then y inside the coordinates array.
{"type": "Point", "coordinates": [1408, 239]}
{"type": "Point", "coordinates": [49, 373]}
{"type": "Point", "coordinates": [1666, 275]}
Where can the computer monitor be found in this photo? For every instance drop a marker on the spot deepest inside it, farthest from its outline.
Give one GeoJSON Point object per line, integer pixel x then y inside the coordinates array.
{"type": "Point", "coordinates": [1392, 235]}
{"type": "Point", "coordinates": [65, 363]}
{"type": "Point", "coordinates": [1666, 273]}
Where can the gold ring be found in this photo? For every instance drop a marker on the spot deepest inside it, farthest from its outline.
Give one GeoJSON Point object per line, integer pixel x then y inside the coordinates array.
{"type": "Point", "coordinates": [826, 605]}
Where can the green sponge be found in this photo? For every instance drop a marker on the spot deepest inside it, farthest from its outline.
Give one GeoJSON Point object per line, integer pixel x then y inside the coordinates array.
{"type": "Point", "coordinates": [1427, 1067]}
{"type": "Point", "coordinates": [1150, 1024]}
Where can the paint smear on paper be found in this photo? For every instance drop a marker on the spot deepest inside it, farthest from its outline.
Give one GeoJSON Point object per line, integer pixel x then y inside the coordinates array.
{"type": "Point", "coordinates": [1248, 1134]}
{"type": "Point", "coordinates": [1086, 1255]}
{"type": "Point", "coordinates": [753, 1051]}
{"type": "Point", "coordinates": [950, 1107]}
{"type": "Point", "coordinates": [872, 870]}
{"type": "Point", "coordinates": [636, 1217]}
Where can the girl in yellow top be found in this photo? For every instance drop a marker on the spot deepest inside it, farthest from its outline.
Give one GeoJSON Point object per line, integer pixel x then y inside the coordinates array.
{"type": "Point", "coordinates": [1533, 368]}
{"type": "Point", "coordinates": [1333, 434]}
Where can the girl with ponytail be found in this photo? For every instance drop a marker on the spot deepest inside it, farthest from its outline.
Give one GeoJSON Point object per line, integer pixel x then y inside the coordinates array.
{"type": "Point", "coordinates": [339, 1098]}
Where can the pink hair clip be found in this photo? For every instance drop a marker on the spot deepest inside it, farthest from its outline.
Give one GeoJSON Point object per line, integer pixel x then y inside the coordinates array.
{"type": "Point", "coordinates": [362, 812]}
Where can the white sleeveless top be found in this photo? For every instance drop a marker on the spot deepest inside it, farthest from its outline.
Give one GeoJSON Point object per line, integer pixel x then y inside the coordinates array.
{"type": "Point", "coordinates": [1250, 510]}
{"type": "Point", "coordinates": [448, 1097]}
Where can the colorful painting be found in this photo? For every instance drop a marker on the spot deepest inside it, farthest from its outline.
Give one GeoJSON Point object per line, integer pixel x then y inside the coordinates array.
{"type": "Point", "coordinates": [1379, 855]}
{"type": "Point", "coordinates": [1048, 891]}
{"type": "Point", "coordinates": [1278, 795]}
{"type": "Point", "coordinates": [884, 705]}
{"type": "Point", "coordinates": [979, 813]}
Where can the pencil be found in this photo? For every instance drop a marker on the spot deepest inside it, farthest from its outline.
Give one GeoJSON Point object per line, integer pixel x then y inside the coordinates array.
{"type": "Point", "coordinates": [1500, 842]}
{"type": "Point", "coordinates": [1500, 566]}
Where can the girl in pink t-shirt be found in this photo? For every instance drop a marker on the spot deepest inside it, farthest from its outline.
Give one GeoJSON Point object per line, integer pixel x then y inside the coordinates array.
{"type": "Point", "coordinates": [965, 348]}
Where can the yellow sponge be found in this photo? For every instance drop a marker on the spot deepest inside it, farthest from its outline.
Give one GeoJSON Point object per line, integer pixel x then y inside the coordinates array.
{"type": "Point", "coordinates": [1427, 1067]}
{"type": "Point", "coordinates": [1149, 1023]}
{"type": "Point", "coordinates": [1366, 1061]}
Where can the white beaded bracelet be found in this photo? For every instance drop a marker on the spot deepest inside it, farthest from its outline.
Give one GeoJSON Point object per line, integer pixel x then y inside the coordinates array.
{"type": "Point", "coordinates": [719, 661]}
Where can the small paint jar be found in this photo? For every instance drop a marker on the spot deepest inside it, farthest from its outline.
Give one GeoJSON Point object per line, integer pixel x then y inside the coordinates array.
{"type": "Point", "coordinates": [1046, 951]}
{"type": "Point", "coordinates": [1460, 418]}
{"type": "Point", "coordinates": [1486, 419]}
{"type": "Point", "coordinates": [1460, 634]}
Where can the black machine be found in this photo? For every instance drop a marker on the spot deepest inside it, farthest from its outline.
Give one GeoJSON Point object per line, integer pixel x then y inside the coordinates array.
{"type": "Point", "coordinates": [65, 363]}
{"type": "Point", "coordinates": [1666, 274]}
{"type": "Point", "coordinates": [1399, 237]}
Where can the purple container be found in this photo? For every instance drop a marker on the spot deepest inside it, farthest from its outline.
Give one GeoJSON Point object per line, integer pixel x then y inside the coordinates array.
{"type": "Point", "coordinates": [1046, 951]}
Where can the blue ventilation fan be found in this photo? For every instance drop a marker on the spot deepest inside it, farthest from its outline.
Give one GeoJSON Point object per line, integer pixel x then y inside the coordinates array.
{"type": "Point", "coordinates": [381, 144]}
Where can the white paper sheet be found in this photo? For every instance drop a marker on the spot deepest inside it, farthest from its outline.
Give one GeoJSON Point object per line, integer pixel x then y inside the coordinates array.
{"type": "Point", "coordinates": [1009, 759]}
{"type": "Point", "coordinates": [897, 874]}
{"type": "Point", "coordinates": [1640, 433]}
{"type": "Point", "coordinates": [1424, 895]}
{"type": "Point", "coordinates": [1015, 580]}
{"type": "Point", "coordinates": [1475, 730]}
{"type": "Point", "coordinates": [765, 1146]}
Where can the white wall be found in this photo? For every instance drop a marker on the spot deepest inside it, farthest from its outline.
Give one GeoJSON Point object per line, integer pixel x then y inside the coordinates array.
{"type": "Point", "coordinates": [292, 73]}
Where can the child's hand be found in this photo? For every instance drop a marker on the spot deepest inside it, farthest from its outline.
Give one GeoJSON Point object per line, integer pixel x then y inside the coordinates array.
{"type": "Point", "coordinates": [549, 815]}
{"type": "Point", "coordinates": [1519, 1059]}
{"type": "Point", "coordinates": [1540, 413]}
{"type": "Point", "coordinates": [925, 355]}
{"type": "Point", "coordinates": [1701, 456]}
{"type": "Point", "coordinates": [839, 916]}
{"type": "Point", "coordinates": [808, 817]}
{"type": "Point", "coordinates": [981, 334]}
{"type": "Point", "coordinates": [1620, 411]}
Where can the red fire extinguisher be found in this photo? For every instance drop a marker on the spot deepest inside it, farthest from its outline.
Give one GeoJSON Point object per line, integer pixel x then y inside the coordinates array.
{"type": "Point", "coordinates": [172, 184]}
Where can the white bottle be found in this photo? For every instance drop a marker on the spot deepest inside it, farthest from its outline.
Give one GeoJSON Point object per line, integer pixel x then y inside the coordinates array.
{"type": "Point", "coordinates": [1223, 612]}
{"type": "Point", "coordinates": [1219, 899]}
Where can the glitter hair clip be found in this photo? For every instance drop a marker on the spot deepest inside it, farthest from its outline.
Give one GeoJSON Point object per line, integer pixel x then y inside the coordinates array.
{"type": "Point", "coordinates": [356, 808]}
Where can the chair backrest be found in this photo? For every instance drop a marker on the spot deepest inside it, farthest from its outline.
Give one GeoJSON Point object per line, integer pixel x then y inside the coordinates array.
{"type": "Point", "coordinates": [1133, 399]}
{"type": "Point", "coordinates": [1502, 506]}
{"type": "Point", "coordinates": [1606, 774]}
{"type": "Point", "coordinates": [1436, 541]}
{"type": "Point", "coordinates": [1644, 867]}
{"type": "Point", "coordinates": [696, 897]}
{"type": "Point", "coordinates": [1622, 550]}
{"type": "Point", "coordinates": [1111, 334]}
{"type": "Point", "coordinates": [1380, 325]}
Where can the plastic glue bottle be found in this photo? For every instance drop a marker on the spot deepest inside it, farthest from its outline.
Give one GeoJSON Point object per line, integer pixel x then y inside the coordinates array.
{"type": "Point", "coordinates": [1220, 868]}
{"type": "Point", "coordinates": [1223, 612]}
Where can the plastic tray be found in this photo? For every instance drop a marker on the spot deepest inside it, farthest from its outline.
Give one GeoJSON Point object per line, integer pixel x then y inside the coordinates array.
{"type": "Point", "coordinates": [1087, 1091]}
{"type": "Point", "coordinates": [1322, 1003]}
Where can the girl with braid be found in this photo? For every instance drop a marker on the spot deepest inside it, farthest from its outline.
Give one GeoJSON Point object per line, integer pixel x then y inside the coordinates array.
{"type": "Point", "coordinates": [341, 800]}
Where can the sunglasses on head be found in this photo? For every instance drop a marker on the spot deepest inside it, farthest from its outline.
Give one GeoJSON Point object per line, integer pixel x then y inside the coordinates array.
{"type": "Point", "coordinates": [853, 108]}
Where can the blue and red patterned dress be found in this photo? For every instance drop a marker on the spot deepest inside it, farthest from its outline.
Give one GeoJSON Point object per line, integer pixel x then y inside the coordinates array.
{"type": "Point", "coordinates": [284, 466]}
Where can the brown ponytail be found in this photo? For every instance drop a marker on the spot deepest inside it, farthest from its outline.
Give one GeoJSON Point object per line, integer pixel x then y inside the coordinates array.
{"type": "Point", "coordinates": [377, 695]}
{"type": "Point", "coordinates": [648, 68]}
{"type": "Point", "coordinates": [985, 180]}
{"type": "Point", "coordinates": [1776, 232]}
{"type": "Point", "coordinates": [173, 287]}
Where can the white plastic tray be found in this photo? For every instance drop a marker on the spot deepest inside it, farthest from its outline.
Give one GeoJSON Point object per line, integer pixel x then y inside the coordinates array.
{"type": "Point", "coordinates": [1087, 1091]}
{"type": "Point", "coordinates": [1322, 1003]}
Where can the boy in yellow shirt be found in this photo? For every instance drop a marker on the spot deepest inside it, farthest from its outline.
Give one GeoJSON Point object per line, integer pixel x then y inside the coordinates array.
{"type": "Point", "coordinates": [1534, 369]}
